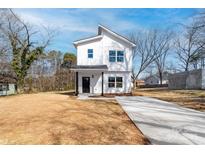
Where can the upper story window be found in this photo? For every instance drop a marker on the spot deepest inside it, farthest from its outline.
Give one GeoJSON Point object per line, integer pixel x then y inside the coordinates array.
{"type": "Point", "coordinates": [116, 56]}
{"type": "Point", "coordinates": [112, 56]}
{"type": "Point", "coordinates": [120, 56]}
{"type": "Point", "coordinates": [90, 53]}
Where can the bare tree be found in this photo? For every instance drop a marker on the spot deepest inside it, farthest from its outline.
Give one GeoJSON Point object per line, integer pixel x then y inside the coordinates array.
{"type": "Point", "coordinates": [149, 45]}
{"type": "Point", "coordinates": [20, 38]}
{"type": "Point", "coordinates": [188, 46]}
{"type": "Point", "coordinates": [164, 43]}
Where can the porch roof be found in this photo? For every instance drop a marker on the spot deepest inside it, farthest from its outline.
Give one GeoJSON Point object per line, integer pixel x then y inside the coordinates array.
{"type": "Point", "coordinates": [90, 67]}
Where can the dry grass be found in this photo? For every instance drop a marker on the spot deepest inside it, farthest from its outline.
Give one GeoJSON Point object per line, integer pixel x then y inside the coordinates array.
{"type": "Point", "coordinates": [50, 118]}
{"type": "Point", "coordinates": [194, 99]}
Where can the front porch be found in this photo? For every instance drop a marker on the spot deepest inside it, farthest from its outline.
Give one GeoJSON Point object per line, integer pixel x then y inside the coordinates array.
{"type": "Point", "coordinates": [89, 79]}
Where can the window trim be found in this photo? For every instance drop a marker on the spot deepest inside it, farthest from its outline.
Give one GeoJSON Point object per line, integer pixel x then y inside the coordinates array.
{"type": "Point", "coordinates": [90, 53]}
{"type": "Point", "coordinates": [115, 82]}
{"type": "Point", "coordinates": [111, 82]}
{"type": "Point", "coordinates": [119, 81]}
{"type": "Point", "coordinates": [112, 56]}
{"type": "Point", "coordinates": [4, 87]}
{"type": "Point", "coordinates": [120, 56]}
{"type": "Point", "coordinates": [116, 56]}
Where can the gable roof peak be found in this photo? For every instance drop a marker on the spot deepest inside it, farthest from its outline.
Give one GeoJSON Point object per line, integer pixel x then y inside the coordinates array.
{"type": "Point", "coordinates": [102, 27]}
{"type": "Point", "coordinates": [99, 36]}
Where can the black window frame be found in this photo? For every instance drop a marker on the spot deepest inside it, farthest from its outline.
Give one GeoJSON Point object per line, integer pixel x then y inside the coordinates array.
{"type": "Point", "coordinates": [116, 83]}
{"type": "Point", "coordinates": [112, 56]}
{"type": "Point", "coordinates": [90, 53]}
{"type": "Point", "coordinates": [116, 57]}
{"type": "Point", "coordinates": [111, 82]}
{"type": "Point", "coordinates": [120, 56]}
{"type": "Point", "coordinates": [119, 82]}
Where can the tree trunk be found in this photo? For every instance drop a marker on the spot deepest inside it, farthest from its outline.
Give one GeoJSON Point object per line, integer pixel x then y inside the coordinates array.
{"type": "Point", "coordinates": [160, 77]}
{"type": "Point", "coordinates": [20, 85]}
{"type": "Point", "coordinates": [187, 67]}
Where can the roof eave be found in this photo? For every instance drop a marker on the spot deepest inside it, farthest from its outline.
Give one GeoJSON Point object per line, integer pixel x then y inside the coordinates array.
{"type": "Point", "coordinates": [86, 69]}
{"type": "Point", "coordinates": [115, 34]}
{"type": "Point", "coordinates": [75, 43]}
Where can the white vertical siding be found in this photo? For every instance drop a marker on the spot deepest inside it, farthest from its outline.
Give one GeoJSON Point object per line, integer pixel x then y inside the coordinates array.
{"type": "Point", "coordinates": [82, 54]}
{"type": "Point", "coordinates": [112, 43]}
{"type": "Point", "coordinates": [101, 53]}
{"type": "Point", "coordinates": [96, 82]}
{"type": "Point", "coordinates": [127, 84]}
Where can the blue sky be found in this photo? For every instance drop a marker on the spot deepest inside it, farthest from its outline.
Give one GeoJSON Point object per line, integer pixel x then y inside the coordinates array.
{"type": "Point", "coordinates": [72, 24]}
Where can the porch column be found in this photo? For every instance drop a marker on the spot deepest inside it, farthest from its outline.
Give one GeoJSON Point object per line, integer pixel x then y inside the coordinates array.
{"type": "Point", "coordinates": [102, 83]}
{"type": "Point", "coordinates": [76, 83]}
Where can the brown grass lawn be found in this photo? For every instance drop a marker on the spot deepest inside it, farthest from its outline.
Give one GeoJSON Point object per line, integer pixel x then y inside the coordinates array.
{"type": "Point", "coordinates": [194, 99]}
{"type": "Point", "coordinates": [51, 118]}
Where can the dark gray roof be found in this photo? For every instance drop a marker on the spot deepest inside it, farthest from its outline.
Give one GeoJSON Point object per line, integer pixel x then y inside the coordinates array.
{"type": "Point", "coordinates": [7, 78]}
{"type": "Point", "coordinates": [90, 67]}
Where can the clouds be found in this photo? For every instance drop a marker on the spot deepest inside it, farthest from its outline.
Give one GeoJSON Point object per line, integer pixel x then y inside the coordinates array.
{"type": "Point", "coordinates": [77, 20]}
{"type": "Point", "coordinates": [72, 24]}
{"type": "Point", "coordinates": [58, 20]}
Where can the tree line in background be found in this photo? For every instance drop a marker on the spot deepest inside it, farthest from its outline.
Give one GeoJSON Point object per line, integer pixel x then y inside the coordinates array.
{"type": "Point", "coordinates": [51, 72]}
{"type": "Point", "coordinates": [155, 46]}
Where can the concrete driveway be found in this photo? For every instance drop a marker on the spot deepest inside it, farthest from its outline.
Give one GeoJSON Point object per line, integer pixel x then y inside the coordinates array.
{"type": "Point", "coordinates": [163, 122]}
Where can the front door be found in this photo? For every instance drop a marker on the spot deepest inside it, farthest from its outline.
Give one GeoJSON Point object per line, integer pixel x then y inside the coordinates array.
{"type": "Point", "coordinates": [86, 84]}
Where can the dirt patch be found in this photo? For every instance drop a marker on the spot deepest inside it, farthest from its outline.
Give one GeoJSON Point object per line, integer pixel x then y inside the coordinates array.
{"type": "Point", "coordinates": [51, 118]}
{"type": "Point", "coordinates": [194, 99]}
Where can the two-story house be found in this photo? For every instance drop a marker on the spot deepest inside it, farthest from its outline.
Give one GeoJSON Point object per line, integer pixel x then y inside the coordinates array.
{"type": "Point", "coordinates": [104, 63]}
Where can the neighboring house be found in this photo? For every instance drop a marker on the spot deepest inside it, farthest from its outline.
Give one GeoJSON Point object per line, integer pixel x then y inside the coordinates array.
{"type": "Point", "coordinates": [7, 79]}
{"type": "Point", "coordinates": [194, 79]}
{"type": "Point", "coordinates": [155, 80]}
{"type": "Point", "coordinates": [7, 84]}
{"type": "Point", "coordinates": [104, 63]}
{"type": "Point", "coordinates": [139, 83]}
{"type": "Point", "coordinates": [151, 80]}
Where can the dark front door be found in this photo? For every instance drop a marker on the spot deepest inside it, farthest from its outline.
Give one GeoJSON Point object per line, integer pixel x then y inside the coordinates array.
{"type": "Point", "coordinates": [86, 84]}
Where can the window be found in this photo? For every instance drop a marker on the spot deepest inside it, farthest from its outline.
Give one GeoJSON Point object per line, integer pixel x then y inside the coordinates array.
{"type": "Point", "coordinates": [7, 87]}
{"type": "Point", "coordinates": [4, 87]}
{"type": "Point", "coordinates": [112, 56]}
{"type": "Point", "coordinates": [116, 56]}
{"type": "Point", "coordinates": [118, 82]}
{"type": "Point", "coordinates": [90, 53]}
{"type": "Point", "coordinates": [120, 56]}
{"type": "Point", "coordinates": [111, 82]}
{"type": "Point", "coordinates": [115, 82]}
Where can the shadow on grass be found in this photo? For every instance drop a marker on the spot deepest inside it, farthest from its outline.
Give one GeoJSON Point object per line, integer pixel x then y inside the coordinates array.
{"type": "Point", "coordinates": [67, 93]}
